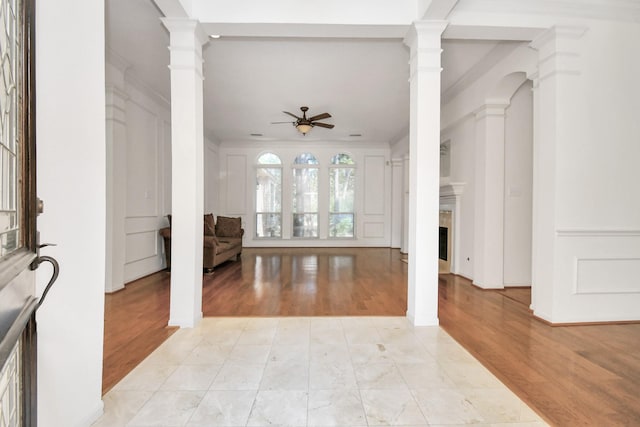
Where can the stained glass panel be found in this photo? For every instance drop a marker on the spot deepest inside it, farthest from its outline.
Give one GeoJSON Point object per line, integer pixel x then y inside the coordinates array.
{"type": "Point", "coordinates": [10, 69]}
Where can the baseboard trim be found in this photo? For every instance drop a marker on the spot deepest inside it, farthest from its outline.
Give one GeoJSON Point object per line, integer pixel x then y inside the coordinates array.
{"type": "Point", "coordinates": [602, 322]}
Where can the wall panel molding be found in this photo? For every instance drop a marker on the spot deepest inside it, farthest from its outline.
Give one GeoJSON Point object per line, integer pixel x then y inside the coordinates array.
{"type": "Point", "coordinates": [606, 276]}
{"type": "Point", "coordinates": [373, 230]}
{"type": "Point", "coordinates": [374, 185]}
{"type": "Point", "coordinates": [598, 232]}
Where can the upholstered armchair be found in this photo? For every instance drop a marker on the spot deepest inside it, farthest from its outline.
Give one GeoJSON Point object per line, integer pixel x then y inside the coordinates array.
{"type": "Point", "coordinates": [222, 240]}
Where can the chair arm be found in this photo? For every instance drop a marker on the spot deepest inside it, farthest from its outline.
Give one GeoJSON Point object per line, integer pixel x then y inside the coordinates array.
{"type": "Point", "coordinates": [210, 241]}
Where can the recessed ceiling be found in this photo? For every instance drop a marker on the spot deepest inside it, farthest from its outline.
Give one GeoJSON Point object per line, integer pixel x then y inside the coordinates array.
{"type": "Point", "coordinates": [362, 83]}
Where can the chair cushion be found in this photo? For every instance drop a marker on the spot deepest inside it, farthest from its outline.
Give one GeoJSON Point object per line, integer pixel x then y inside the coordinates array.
{"type": "Point", "coordinates": [228, 227]}
{"type": "Point", "coordinates": [222, 247]}
{"type": "Point", "coordinates": [233, 242]}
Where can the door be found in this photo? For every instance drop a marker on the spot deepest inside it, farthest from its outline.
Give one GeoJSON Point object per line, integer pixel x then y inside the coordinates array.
{"type": "Point", "coordinates": [18, 209]}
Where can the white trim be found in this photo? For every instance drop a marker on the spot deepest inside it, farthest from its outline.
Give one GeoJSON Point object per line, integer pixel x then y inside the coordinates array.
{"type": "Point", "coordinates": [598, 232]}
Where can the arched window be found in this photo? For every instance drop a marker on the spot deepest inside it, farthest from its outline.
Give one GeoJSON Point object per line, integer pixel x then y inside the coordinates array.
{"type": "Point", "coordinates": [341, 196]}
{"type": "Point", "coordinates": [269, 196]}
{"type": "Point", "coordinates": [305, 196]}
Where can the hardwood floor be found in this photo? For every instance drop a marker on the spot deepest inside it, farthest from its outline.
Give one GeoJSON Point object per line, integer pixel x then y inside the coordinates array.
{"type": "Point", "coordinates": [135, 324]}
{"type": "Point", "coordinates": [309, 282]}
{"type": "Point", "coordinates": [571, 375]}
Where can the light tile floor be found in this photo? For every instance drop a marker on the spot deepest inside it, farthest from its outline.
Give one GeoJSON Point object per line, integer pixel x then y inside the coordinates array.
{"type": "Point", "coordinates": [312, 371]}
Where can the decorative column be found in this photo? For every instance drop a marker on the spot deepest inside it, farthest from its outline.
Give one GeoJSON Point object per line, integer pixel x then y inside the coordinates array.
{"type": "Point", "coordinates": [397, 195]}
{"type": "Point", "coordinates": [404, 247]}
{"type": "Point", "coordinates": [537, 170]}
{"type": "Point", "coordinates": [116, 174]}
{"type": "Point", "coordinates": [187, 176]}
{"type": "Point", "coordinates": [424, 170]}
{"type": "Point", "coordinates": [558, 99]}
{"type": "Point", "coordinates": [489, 196]}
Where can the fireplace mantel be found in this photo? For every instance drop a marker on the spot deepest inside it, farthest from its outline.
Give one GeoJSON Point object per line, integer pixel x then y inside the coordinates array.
{"type": "Point", "coordinates": [452, 189]}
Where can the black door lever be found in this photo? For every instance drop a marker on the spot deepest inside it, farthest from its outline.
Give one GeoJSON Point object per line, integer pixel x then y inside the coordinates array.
{"type": "Point", "coordinates": [56, 269]}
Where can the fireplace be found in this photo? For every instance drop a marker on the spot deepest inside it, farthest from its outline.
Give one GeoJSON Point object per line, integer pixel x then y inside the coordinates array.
{"type": "Point", "coordinates": [444, 242]}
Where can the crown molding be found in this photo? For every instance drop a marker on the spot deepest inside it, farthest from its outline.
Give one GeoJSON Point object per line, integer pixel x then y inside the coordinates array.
{"type": "Point", "coordinates": [612, 10]}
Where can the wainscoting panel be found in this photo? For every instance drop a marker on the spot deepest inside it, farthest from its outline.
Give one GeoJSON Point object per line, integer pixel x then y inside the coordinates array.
{"type": "Point", "coordinates": [141, 245]}
{"type": "Point", "coordinates": [597, 276]}
{"type": "Point", "coordinates": [374, 185]}
{"type": "Point", "coordinates": [373, 230]}
{"type": "Point", "coordinates": [143, 254]}
{"type": "Point", "coordinates": [607, 275]}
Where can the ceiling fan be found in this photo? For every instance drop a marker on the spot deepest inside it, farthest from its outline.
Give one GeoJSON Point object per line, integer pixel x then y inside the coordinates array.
{"type": "Point", "coordinates": [304, 124]}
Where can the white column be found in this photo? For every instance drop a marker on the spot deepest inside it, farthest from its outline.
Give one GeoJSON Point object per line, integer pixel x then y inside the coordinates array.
{"type": "Point", "coordinates": [489, 196]}
{"type": "Point", "coordinates": [556, 122]}
{"type": "Point", "coordinates": [116, 139]}
{"type": "Point", "coordinates": [424, 170]}
{"type": "Point", "coordinates": [187, 157]}
{"type": "Point", "coordinates": [537, 170]}
{"type": "Point", "coordinates": [397, 195]}
{"type": "Point", "coordinates": [404, 247]}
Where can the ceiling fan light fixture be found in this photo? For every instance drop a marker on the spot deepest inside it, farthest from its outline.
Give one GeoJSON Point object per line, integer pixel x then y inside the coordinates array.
{"type": "Point", "coordinates": [303, 128]}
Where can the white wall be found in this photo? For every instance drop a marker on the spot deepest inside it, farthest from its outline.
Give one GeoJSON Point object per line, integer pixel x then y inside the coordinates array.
{"type": "Point", "coordinates": [71, 155]}
{"type": "Point", "coordinates": [587, 222]}
{"type": "Point", "coordinates": [148, 172]}
{"type": "Point", "coordinates": [462, 146]}
{"type": "Point", "coordinates": [211, 176]}
{"type": "Point", "coordinates": [138, 175]}
{"type": "Point", "coordinates": [518, 180]}
{"type": "Point", "coordinates": [373, 191]}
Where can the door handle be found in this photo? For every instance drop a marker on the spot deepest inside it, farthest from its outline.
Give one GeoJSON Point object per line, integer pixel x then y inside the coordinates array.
{"type": "Point", "coordinates": [56, 270]}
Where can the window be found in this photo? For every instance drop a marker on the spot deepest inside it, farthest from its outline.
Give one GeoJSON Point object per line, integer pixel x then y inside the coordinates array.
{"type": "Point", "coordinates": [269, 196]}
{"type": "Point", "coordinates": [305, 196]}
{"type": "Point", "coordinates": [10, 127]}
{"type": "Point", "coordinates": [341, 196]}
{"type": "Point", "coordinates": [18, 209]}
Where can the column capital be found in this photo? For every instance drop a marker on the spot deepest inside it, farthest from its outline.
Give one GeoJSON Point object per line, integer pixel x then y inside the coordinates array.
{"type": "Point", "coordinates": [186, 40]}
{"type": "Point", "coordinates": [492, 107]}
{"type": "Point", "coordinates": [421, 32]}
{"type": "Point", "coordinates": [424, 40]}
{"type": "Point", "coordinates": [559, 51]}
{"type": "Point", "coordinates": [181, 28]}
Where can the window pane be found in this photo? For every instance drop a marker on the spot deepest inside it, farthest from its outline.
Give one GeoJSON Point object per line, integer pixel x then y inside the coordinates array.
{"type": "Point", "coordinates": [305, 225]}
{"type": "Point", "coordinates": [342, 159]}
{"type": "Point", "coordinates": [341, 225]}
{"type": "Point", "coordinates": [268, 190]}
{"type": "Point", "coordinates": [305, 190]}
{"type": "Point", "coordinates": [10, 89]}
{"type": "Point", "coordinates": [269, 159]}
{"type": "Point", "coordinates": [306, 159]}
{"type": "Point", "coordinates": [341, 189]}
{"type": "Point", "coordinates": [269, 225]}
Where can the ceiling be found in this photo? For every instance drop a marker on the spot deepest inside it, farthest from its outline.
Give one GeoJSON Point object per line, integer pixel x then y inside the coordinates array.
{"type": "Point", "coordinates": [362, 83]}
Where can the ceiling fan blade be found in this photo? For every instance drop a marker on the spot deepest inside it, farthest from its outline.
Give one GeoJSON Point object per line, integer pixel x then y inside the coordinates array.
{"type": "Point", "coordinates": [292, 115]}
{"type": "Point", "coordinates": [277, 123]}
{"type": "Point", "coordinates": [323, 125]}
{"type": "Point", "coordinates": [320, 117]}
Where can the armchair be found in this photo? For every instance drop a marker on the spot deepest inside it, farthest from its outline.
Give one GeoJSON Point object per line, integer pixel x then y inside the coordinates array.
{"type": "Point", "coordinates": [222, 241]}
